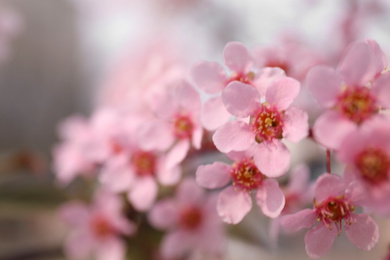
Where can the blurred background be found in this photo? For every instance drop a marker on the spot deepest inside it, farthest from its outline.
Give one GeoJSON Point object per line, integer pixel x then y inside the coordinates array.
{"type": "Point", "coordinates": [64, 57]}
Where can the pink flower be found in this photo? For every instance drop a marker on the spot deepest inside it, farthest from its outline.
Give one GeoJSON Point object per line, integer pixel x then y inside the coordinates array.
{"type": "Point", "coordinates": [177, 125]}
{"type": "Point", "coordinates": [269, 122]}
{"type": "Point", "coordinates": [366, 152]}
{"type": "Point", "coordinates": [212, 78]}
{"type": "Point", "coordinates": [298, 193]}
{"type": "Point", "coordinates": [355, 92]}
{"type": "Point", "coordinates": [334, 206]}
{"type": "Point", "coordinates": [235, 201]}
{"type": "Point", "coordinates": [96, 228]}
{"type": "Point", "coordinates": [191, 222]}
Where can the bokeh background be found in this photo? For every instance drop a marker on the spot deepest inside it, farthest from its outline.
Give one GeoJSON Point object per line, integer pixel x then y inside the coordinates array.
{"type": "Point", "coordinates": [61, 57]}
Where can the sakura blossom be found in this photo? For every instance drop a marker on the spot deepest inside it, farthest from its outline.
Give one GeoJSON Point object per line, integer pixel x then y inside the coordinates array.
{"type": "Point", "coordinates": [96, 228]}
{"type": "Point", "coordinates": [353, 94]}
{"type": "Point", "coordinates": [334, 206]}
{"type": "Point", "coordinates": [368, 162]}
{"type": "Point", "coordinates": [235, 201]}
{"type": "Point", "coordinates": [191, 222]}
{"type": "Point", "coordinates": [269, 122]}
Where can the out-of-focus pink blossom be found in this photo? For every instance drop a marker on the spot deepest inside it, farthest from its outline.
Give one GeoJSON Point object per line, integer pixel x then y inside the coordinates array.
{"type": "Point", "coordinates": [334, 206]}
{"type": "Point", "coordinates": [235, 201]}
{"type": "Point", "coordinates": [354, 93]}
{"type": "Point", "coordinates": [212, 78]}
{"type": "Point", "coordinates": [269, 122]}
{"type": "Point", "coordinates": [298, 193]}
{"type": "Point", "coordinates": [96, 229]}
{"type": "Point", "coordinates": [191, 222]}
{"type": "Point", "coordinates": [177, 124]}
{"type": "Point", "coordinates": [366, 152]}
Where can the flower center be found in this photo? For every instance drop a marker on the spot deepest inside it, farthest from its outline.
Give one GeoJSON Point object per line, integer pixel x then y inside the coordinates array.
{"type": "Point", "coordinates": [334, 210]}
{"type": "Point", "coordinates": [245, 175]}
{"type": "Point", "coordinates": [244, 78]}
{"type": "Point", "coordinates": [144, 163]}
{"type": "Point", "coordinates": [266, 122]}
{"type": "Point", "coordinates": [101, 227]}
{"type": "Point", "coordinates": [357, 104]}
{"type": "Point", "coordinates": [374, 165]}
{"type": "Point", "coordinates": [116, 147]}
{"type": "Point", "coordinates": [183, 126]}
{"type": "Point", "coordinates": [191, 218]}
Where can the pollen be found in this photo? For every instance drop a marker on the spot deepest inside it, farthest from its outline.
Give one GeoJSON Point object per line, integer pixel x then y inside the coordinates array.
{"type": "Point", "coordinates": [144, 163]}
{"type": "Point", "coordinates": [245, 175]}
{"type": "Point", "coordinates": [244, 78]}
{"type": "Point", "coordinates": [267, 123]}
{"type": "Point", "coordinates": [183, 126]}
{"type": "Point", "coordinates": [374, 165]}
{"type": "Point", "coordinates": [335, 210]}
{"type": "Point", "coordinates": [357, 104]}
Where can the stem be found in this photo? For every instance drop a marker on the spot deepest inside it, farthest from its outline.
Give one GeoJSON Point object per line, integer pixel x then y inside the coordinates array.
{"type": "Point", "coordinates": [328, 166]}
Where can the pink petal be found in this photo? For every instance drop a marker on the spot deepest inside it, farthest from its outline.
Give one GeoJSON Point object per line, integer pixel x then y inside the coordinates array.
{"type": "Point", "coordinates": [364, 233]}
{"type": "Point", "coordinates": [189, 192]}
{"type": "Point", "coordinates": [197, 135]}
{"type": "Point", "coordinates": [188, 97]}
{"type": "Point", "coordinates": [296, 125]}
{"type": "Point", "coordinates": [214, 114]}
{"type": "Point", "coordinates": [164, 214]}
{"type": "Point", "coordinates": [168, 176]}
{"type": "Point", "coordinates": [266, 77]}
{"type": "Point", "coordinates": [113, 249]}
{"type": "Point", "coordinates": [209, 76]}
{"type": "Point", "coordinates": [381, 90]}
{"type": "Point", "coordinates": [237, 57]}
{"type": "Point", "coordinates": [213, 176]}
{"type": "Point", "coordinates": [117, 175]}
{"type": "Point", "coordinates": [177, 153]}
{"type": "Point", "coordinates": [331, 128]}
{"type": "Point", "coordinates": [325, 85]}
{"type": "Point", "coordinates": [240, 99]}
{"type": "Point", "coordinates": [175, 244]}
{"type": "Point", "coordinates": [272, 158]}
{"type": "Point", "coordinates": [233, 205]}
{"type": "Point", "coordinates": [319, 240]}
{"type": "Point", "coordinates": [78, 246]}
{"type": "Point", "coordinates": [282, 92]}
{"type": "Point", "coordinates": [357, 66]}
{"type": "Point", "coordinates": [380, 56]}
{"type": "Point", "coordinates": [270, 198]}
{"type": "Point", "coordinates": [302, 219]}
{"type": "Point", "coordinates": [155, 135]}
{"type": "Point", "coordinates": [328, 186]}
{"type": "Point", "coordinates": [143, 194]}
{"type": "Point", "coordinates": [233, 136]}
{"type": "Point", "coordinates": [349, 148]}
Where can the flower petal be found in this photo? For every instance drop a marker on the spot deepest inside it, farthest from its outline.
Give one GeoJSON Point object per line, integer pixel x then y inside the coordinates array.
{"type": "Point", "coordinates": [240, 99]}
{"type": "Point", "coordinates": [237, 57]}
{"type": "Point", "coordinates": [189, 193]}
{"type": "Point", "coordinates": [380, 56]}
{"type": "Point", "coordinates": [164, 214]}
{"type": "Point", "coordinates": [299, 179]}
{"type": "Point", "coordinates": [328, 186]}
{"type": "Point", "coordinates": [325, 85]}
{"type": "Point", "coordinates": [331, 128]}
{"type": "Point", "coordinates": [113, 249]}
{"type": "Point", "coordinates": [272, 158]}
{"type": "Point", "coordinates": [302, 219]}
{"type": "Point", "coordinates": [175, 244]}
{"type": "Point", "coordinates": [213, 176]}
{"type": "Point", "coordinates": [177, 153]}
{"type": "Point", "coordinates": [364, 233]}
{"type": "Point", "coordinates": [233, 136]}
{"type": "Point", "coordinates": [282, 92]}
{"type": "Point", "coordinates": [143, 194]}
{"type": "Point", "coordinates": [270, 198]}
{"type": "Point", "coordinates": [358, 65]}
{"type": "Point", "coordinates": [319, 240]}
{"type": "Point", "coordinates": [266, 77]}
{"type": "Point", "coordinates": [381, 90]}
{"type": "Point", "coordinates": [295, 124]}
{"type": "Point", "coordinates": [233, 205]}
{"type": "Point", "coordinates": [187, 96]}
{"type": "Point", "coordinates": [214, 114]}
{"type": "Point", "coordinates": [209, 76]}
